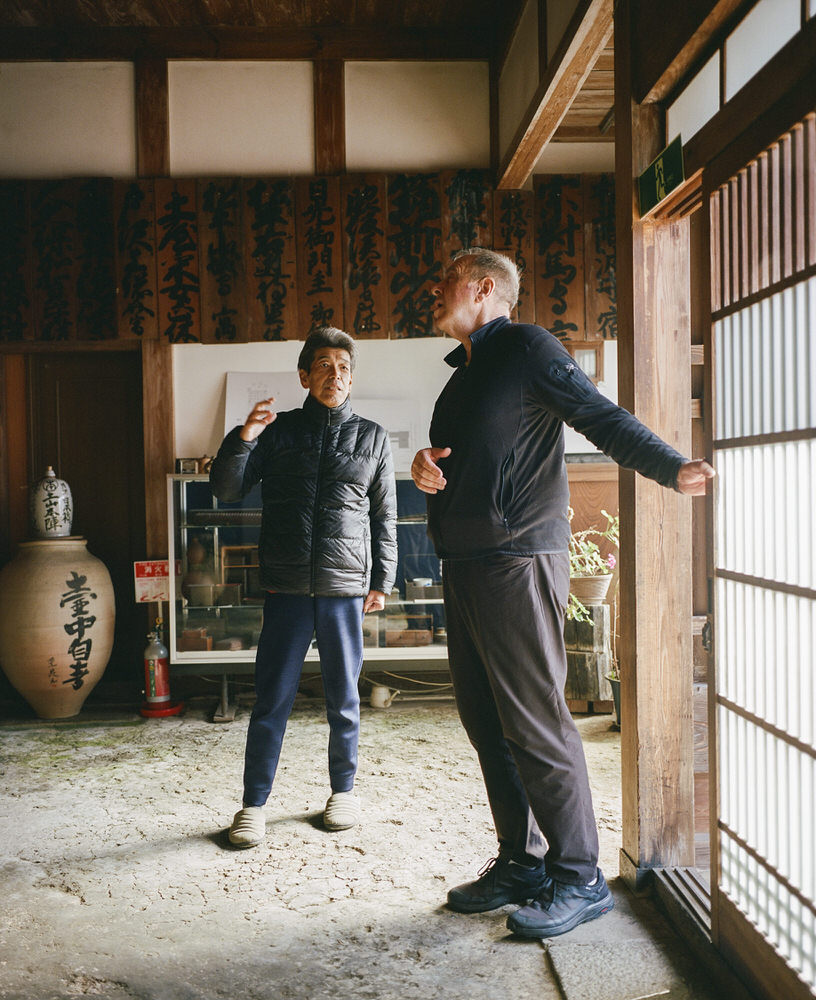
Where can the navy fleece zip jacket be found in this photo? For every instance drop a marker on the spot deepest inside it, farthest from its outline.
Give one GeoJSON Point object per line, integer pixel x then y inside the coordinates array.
{"type": "Point", "coordinates": [503, 415]}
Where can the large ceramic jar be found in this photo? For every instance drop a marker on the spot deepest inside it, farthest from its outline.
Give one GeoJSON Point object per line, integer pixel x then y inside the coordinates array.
{"type": "Point", "coordinates": [57, 614]}
{"type": "Point", "coordinates": [51, 507]}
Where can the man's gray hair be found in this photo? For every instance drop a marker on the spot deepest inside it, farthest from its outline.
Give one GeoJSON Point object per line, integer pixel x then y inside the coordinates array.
{"type": "Point", "coordinates": [326, 336]}
{"type": "Point", "coordinates": [500, 268]}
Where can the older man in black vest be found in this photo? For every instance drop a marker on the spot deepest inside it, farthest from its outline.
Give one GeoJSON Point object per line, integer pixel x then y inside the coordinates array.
{"type": "Point", "coordinates": [328, 555]}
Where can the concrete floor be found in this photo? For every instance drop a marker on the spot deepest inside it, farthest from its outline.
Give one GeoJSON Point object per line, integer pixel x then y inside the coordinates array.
{"type": "Point", "coordinates": [119, 882]}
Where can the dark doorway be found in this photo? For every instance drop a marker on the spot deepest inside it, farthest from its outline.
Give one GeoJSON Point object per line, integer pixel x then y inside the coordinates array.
{"type": "Point", "coordinates": [86, 421]}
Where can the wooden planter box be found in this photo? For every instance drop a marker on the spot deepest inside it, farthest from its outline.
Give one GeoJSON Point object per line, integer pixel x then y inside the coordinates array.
{"type": "Point", "coordinates": [589, 659]}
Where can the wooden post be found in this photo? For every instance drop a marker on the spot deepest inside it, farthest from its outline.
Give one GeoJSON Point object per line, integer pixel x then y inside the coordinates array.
{"type": "Point", "coordinates": [329, 116]}
{"type": "Point", "coordinates": [655, 579]}
{"type": "Point", "coordinates": [15, 474]}
{"type": "Point", "coordinates": [152, 117]}
{"type": "Point", "coordinates": [159, 441]}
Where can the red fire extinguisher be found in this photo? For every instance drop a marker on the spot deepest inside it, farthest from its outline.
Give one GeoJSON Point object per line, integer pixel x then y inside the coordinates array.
{"type": "Point", "coordinates": [157, 701]}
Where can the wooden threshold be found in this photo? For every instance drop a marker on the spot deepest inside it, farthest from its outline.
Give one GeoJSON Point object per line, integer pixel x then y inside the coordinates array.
{"type": "Point", "coordinates": [683, 895]}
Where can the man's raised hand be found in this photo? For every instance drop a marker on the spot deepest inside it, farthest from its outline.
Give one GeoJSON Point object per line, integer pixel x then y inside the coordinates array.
{"type": "Point", "coordinates": [262, 415]}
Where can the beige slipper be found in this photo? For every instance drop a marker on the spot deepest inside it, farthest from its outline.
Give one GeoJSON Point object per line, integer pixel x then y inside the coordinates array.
{"type": "Point", "coordinates": [342, 811]}
{"type": "Point", "coordinates": [248, 827]}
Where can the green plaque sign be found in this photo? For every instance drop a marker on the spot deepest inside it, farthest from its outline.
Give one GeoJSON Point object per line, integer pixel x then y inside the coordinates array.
{"type": "Point", "coordinates": [661, 177]}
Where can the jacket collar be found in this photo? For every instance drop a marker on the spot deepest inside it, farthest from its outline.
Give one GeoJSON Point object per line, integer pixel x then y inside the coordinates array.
{"type": "Point", "coordinates": [320, 414]}
{"type": "Point", "coordinates": [458, 356]}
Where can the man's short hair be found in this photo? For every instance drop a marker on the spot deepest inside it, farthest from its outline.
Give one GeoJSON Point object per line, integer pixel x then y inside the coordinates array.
{"type": "Point", "coordinates": [500, 268]}
{"type": "Point", "coordinates": [326, 336]}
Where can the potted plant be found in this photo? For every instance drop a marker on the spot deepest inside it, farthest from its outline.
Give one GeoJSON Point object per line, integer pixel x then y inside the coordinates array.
{"type": "Point", "coordinates": [590, 570]}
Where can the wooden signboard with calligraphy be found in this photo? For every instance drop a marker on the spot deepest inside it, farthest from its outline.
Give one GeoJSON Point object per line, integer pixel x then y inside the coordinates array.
{"type": "Point", "coordinates": [414, 238]}
{"type": "Point", "coordinates": [559, 255]}
{"type": "Point", "coordinates": [52, 211]}
{"type": "Point", "coordinates": [135, 225]}
{"type": "Point", "coordinates": [513, 234]}
{"type": "Point", "coordinates": [221, 262]}
{"type": "Point", "coordinates": [224, 261]}
{"type": "Point", "coordinates": [365, 289]}
{"type": "Point", "coordinates": [467, 210]}
{"type": "Point", "coordinates": [599, 257]}
{"type": "Point", "coordinates": [319, 253]}
{"type": "Point", "coordinates": [16, 293]}
{"type": "Point", "coordinates": [177, 261]}
{"type": "Point", "coordinates": [270, 259]}
{"type": "Point", "coordinates": [96, 284]}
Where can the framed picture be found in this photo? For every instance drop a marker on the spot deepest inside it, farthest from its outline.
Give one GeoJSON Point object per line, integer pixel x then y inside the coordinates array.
{"type": "Point", "coordinates": [589, 356]}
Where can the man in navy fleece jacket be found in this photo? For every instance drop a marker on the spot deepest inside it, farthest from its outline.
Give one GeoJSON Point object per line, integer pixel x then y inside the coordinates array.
{"type": "Point", "coordinates": [497, 514]}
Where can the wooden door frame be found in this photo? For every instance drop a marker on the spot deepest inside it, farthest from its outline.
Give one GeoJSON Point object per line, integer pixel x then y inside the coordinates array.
{"type": "Point", "coordinates": [654, 366]}
{"type": "Point", "coordinates": [156, 362]}
{"type": "Point", "coordinates": [745, 949]}
{"type": "Point", "coordinates": [778, 97]}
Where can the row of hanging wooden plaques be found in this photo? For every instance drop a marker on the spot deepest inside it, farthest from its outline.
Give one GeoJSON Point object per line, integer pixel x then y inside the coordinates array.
{"type": "Point", "coordinates": [253, 259]}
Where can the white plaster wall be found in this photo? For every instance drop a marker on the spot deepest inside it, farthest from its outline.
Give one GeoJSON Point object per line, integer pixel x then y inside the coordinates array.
{"type": "Point", "coordinates": [757, 38]}
{"type": "Point", "coordinates": [559, 13]}
{"type": "Point", "coordinates": [241, 118]}
{"type": "Point", "coordinates": [67, 120]}
{"type": "Point", "coordinates": [699, 102]}
{"type": "Point", "coordinates": [576, 158]}
{"type": "Point", "coordinates": [411, 370]}
{"type": "Point", "coordinates": [386, 369]}
{"type": "Point", "coordinates": [519, 76]}
{"type": "Point", "coordinates": [417, 116]}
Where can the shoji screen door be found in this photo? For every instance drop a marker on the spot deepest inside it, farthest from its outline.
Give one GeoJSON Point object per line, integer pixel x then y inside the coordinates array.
{"type": "Point", "coordinates": [763, 251]}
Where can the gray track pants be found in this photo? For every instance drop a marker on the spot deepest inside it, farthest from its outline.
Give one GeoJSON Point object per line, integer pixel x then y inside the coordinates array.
{"type": "Point", "coordinates": [505, 617]}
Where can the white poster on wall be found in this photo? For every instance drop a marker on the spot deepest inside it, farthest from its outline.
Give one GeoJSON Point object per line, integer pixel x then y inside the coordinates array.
{"type": "Point", "coordinates": [399, 418]}
{"type": "Point", "coordinates": [245, 389]}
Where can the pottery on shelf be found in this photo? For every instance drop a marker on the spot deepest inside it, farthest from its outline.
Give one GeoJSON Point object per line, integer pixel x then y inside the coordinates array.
{"type": "Point", "coordinates": [57, 613]}
{"type": "Point", "coordinates": [51, 507]}
{"type": "Point", "coordinates": [198, 584]}
{"type": "Point", "coordinates": [590, 589]}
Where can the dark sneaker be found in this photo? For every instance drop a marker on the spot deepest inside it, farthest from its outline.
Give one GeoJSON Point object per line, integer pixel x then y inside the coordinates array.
{"type": "Point", "coordinates": [500, 882]}
{"type": "Point", "coordinates": [560, 907]}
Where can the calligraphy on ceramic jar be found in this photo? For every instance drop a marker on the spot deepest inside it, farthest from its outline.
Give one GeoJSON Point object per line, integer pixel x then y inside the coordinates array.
{"type": "Point", "coordinates": [76, 600]}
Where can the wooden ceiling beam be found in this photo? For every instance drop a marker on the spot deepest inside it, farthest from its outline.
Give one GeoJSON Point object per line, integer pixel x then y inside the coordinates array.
{"type": "Point", "coordinates": [58, 44]}
{"type": "Point", "coordinates": [583, 133]}
{"type": "Point", "coordinates": [671, 41]}
{"type": "Point", "coordinates": [586, 37]}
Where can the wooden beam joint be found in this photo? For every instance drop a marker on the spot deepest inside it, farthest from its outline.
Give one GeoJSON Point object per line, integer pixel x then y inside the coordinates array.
{"type": "Point", "coordinates": [586, 37]}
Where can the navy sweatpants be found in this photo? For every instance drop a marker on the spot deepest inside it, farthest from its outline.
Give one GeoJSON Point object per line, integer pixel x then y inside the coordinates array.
{"type": "Point", "coordinates": [289, 623]}
{"type": "Point", "coordinates": [505, 619]}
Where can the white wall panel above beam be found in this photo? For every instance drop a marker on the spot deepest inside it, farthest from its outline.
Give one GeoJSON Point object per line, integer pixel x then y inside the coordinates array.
{"type": "Point", "coordinates": [67, 120]}
{"type": "Point", "coordinates": [417, 116]}
{"type": "Point", "coordinates": [241, 118]}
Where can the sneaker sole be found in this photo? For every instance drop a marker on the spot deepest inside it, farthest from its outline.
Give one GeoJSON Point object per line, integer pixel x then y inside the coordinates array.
{"type": "Point", "coordinates": [245, 843]}
{"type": "Point", "coordinates": [471, 907]}
{"type": "Point", "coordinates": [553, 930]}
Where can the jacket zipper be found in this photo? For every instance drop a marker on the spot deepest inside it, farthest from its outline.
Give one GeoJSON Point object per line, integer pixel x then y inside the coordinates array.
{"type": "Point", "coordinates": [317, 502]}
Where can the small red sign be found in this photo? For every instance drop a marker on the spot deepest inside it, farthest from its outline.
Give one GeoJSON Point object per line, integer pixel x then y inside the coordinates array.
{"type": "Point", "coordinates": [151, 580]}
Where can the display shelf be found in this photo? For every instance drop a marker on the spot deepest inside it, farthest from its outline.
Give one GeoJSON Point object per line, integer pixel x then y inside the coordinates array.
{"type": "Point", "coordinates": [216, 609]}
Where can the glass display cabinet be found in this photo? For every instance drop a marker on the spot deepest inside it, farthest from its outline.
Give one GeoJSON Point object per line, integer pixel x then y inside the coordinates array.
{"type": "Point", "coordinates": [216, 606]}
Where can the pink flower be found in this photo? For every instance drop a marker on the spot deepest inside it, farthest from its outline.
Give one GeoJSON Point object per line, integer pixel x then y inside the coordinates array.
{"type": "Point", "coordinates": [611, 561]}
